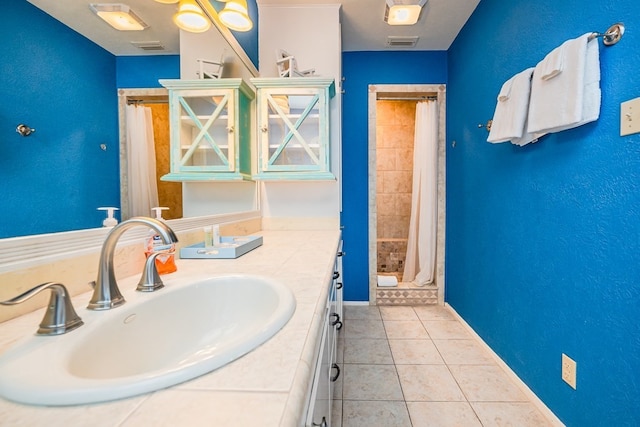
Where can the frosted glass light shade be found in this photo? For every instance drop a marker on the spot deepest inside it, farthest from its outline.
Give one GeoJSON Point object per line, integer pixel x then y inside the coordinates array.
{"type": "Point", "coordinates": [403, 14]}
{"type": "Point", "coordinates": [191, 18]}
{"type": "Point", "coordinates": [235, 16]}
{"type": "Point", "coordinates": [119, 16]}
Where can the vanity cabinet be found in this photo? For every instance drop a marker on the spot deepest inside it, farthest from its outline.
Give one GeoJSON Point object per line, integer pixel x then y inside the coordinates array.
{"type": "Point", "coordinates": [327, 370]}
{"type": "Point", "coordinates": [210, 136]}
{"type": "Point", "coordinates": [293, 128]}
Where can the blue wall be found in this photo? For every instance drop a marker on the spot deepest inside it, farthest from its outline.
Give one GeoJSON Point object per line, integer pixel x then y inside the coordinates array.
{"type": "Point", "coordinates": [360, 70]}
{"type": "Point", "coordinates": [543, 241]}
{"type": "Point", "coordinates": [63, 85]}
{"type": "Point", "coordinates": [144, 71]}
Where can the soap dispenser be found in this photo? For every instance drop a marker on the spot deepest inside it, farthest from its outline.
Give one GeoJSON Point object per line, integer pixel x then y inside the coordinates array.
{"type": "Point", "coordinates": [109, 221]}
{"type": "Point", "coordinates": [165, 263]}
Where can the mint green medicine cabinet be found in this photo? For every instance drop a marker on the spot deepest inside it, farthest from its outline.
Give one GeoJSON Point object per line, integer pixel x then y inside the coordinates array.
{"type": "Point", "coordinates": [211, 124]}
{"type": "Point", "coordinates": [293, 139]}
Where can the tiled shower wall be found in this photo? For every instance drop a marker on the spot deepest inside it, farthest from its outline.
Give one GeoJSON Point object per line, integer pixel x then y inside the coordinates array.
{"type": "Point", "coordinates": [395, 126]}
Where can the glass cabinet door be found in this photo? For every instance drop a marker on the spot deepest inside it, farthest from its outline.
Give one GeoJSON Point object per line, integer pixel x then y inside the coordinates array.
{"type": "Point", "coordinates": [206, 131]}
{"type": "Point", "coordinates": [294, 131]}
{"type": "Point", "coordinates": [211, 129]}
{"type": "Point", "coordinates": [293, 128]}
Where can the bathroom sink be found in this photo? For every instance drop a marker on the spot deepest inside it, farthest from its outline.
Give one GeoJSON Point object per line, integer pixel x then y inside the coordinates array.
{"type": "Point", "coordinates": [153, 341]}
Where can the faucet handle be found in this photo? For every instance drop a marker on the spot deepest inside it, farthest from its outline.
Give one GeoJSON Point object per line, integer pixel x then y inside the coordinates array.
{"type": "Point", "coordinates": [150, 280]}
{"type": "Point", "coordinates": [60, 317]}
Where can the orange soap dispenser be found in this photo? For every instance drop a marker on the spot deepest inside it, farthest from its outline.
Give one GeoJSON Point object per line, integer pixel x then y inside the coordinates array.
{"type": "Point", "coordinates": [165, 263]}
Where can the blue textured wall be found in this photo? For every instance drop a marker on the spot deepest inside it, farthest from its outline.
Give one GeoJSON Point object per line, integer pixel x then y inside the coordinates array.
{"type": "Point", "coordinates": [144, 71]}
{"type": "Point", "coordinates": [360, 70]}
{"type": "Point", "coordinates": [543, 242]}
{"type": "Point", "coordinates": [63, 85]}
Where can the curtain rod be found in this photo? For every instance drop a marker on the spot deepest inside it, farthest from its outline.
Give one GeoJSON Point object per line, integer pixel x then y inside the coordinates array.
{"type": "Point", "coordinates": [147, 101]}
{"type": "Point", "coordinates": [407, 98]}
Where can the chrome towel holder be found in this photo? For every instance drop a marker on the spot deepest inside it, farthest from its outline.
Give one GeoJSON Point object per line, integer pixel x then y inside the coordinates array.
{"type": "Point", "coordinates": [611, 36]}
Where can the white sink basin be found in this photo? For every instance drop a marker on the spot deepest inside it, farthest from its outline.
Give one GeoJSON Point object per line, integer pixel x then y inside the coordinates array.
{"type": "Point", "coordinates": [154, 341]}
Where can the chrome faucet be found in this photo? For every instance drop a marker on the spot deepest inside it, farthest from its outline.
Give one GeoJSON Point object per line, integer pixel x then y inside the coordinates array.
{"type": "Point", "coordinates": [106, 294]}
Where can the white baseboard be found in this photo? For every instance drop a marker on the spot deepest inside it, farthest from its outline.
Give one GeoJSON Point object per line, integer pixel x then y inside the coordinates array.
{"type": "Point", "coordinates": [356, 303]}
{"type": "Point", "coordinates": [539, 404]}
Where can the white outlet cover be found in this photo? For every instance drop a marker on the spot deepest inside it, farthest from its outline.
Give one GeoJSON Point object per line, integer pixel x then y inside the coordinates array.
{"type": "Point", "coordinates": [569, 368]}
{"type": "Point", "coordinates": [630, 117]}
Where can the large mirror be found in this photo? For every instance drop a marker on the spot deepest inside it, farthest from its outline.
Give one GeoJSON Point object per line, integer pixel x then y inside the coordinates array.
{"type": "Point", "coordinates": [64, 87]}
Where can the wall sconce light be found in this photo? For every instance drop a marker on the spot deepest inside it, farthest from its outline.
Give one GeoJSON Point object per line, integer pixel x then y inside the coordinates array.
{"type": "Point", "coordinates": [403, 12]}
{"type": "Point", "coordinates": [119, 16]}
{"type": "Point", "coordinates": [191, 18]}
{"type": "Point", "coordinates": [235, 15]}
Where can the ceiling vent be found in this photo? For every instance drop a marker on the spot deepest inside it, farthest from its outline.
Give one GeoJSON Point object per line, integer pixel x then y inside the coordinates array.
{"type": "Point", "coordinates": [149, 45]}
{"type": "Point", "coordinates": [402, 41]}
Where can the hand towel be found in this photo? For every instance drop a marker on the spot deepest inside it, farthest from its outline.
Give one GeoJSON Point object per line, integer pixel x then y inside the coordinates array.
{"type": "Point", "coordinates": [387, 281]}
{"type": "Point", "coordinates": [511, 110]}
{"type": "Point", "coordinates": [552, 64]}
{"type": "Point", "coordinates": [570, 98]}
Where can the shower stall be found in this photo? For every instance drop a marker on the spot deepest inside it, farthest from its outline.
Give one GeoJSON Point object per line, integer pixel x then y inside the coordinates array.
{"type": "Point", "coordinates": [395, 163]}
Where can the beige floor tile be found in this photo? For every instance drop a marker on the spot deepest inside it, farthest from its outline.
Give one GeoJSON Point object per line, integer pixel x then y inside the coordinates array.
{"type": "Point", "coordinates": [486, 384]}
{"type": "Point", "coordinates": [463, 352]}
{"type": "Point", "coordinates": [499, 414]}
{"type": "Point", "coordinates": [445, 329]}
{"type": "Point", "coordinates": [371, 382]}
{"type": "Point", "coordinates": [398, 313]}
{"type": "Point", "coordinates": [415, 352]}
{"type": "Point", "coordinates": [368, 351]}
{"type": "Point", "coordinates": [380, 413]}
{"type": "Point", "coordinates": [428, 383]}
{"type": "Point", "coordinates": [405, 329]}
{"type": "Point", "coordinates": [338, 385]}
{"type": "Point", "coordinates": [340, 347]}
{"type": "Point", "coordinates": [433, 312]}
{"type": "Point", "coordinates": [336, 413]}
{"type": "Point", "coordinates": [361, 312]}
{"type": "Point", "coordinates": [355, 329]}
{"type": "Point", "coordinates": [442, 414]}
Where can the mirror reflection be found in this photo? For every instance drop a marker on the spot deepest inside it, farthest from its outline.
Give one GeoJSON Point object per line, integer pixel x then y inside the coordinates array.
{"type": "Point", "coordinates": [63, 85]}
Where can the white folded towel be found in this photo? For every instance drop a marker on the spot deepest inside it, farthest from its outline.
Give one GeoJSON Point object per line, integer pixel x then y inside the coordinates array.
{"type": "Point", "coordinates": [571, 97]}
{"type": "Point", "coordinates": [387, 281]}
{"type": "Point", "coordinates": [509, 118]}
{"type": "Point", "coordinates": [552, 64]}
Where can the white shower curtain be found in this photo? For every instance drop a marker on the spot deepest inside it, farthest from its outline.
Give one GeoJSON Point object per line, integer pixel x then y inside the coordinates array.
{"type": "Point", "coordinates": [421, 246]}
{"type": "Point", "coordinates": [141, 161]}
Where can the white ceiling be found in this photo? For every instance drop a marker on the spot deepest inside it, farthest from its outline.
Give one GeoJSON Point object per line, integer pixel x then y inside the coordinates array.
{"type": "Point", "coordinates": [363, 27]}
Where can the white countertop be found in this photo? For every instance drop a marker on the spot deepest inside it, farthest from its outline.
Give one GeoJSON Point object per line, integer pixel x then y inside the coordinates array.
{"type": "Point", "coordinates": [266, 387]}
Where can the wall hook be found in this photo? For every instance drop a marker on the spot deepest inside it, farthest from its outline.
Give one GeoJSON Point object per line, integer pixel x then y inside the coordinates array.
{"type": "Point", "coordinates": [487, 126]}
{"type": "Point", "coordinates": [24, 130]}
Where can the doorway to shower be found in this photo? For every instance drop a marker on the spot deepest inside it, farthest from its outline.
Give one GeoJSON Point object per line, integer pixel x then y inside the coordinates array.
{"type": "Point", "coordinates": [394, 198]}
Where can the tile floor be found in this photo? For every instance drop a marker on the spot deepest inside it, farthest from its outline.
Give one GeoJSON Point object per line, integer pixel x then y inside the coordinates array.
{"type": "Point", "coordinates": [418, 366]}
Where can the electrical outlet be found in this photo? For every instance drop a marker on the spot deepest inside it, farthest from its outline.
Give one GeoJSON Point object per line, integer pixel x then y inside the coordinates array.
{"type": "Point", "coordinates": [569, 367]}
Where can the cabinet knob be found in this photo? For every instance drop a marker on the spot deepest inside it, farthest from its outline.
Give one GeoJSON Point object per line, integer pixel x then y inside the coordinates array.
{"type": "Point", "coordinates": [230, 129]}
{"type": "Point", "coordinates": [264, 129]}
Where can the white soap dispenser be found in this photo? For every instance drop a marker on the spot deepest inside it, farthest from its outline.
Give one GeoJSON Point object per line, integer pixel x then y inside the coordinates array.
{"type": "Point", "coordinates": [110, 220]}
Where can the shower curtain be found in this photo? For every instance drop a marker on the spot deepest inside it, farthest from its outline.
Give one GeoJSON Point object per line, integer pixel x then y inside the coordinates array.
{"type": "Point", "coordinates": [421, 245]}
{"type": "Point", "coordinates": [141, 161]}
